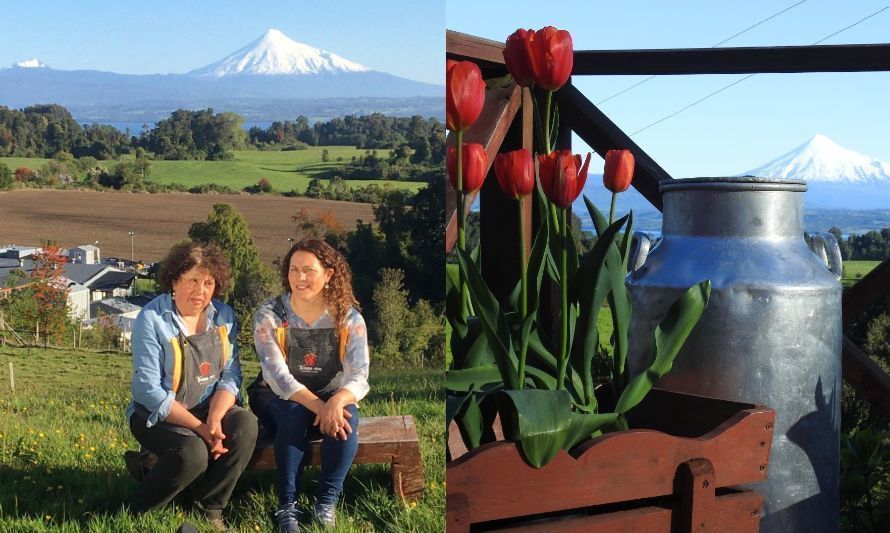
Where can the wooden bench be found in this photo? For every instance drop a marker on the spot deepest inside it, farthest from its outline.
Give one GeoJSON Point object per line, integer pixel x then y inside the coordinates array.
{"type": "Point", "coordinates": [382, 439]}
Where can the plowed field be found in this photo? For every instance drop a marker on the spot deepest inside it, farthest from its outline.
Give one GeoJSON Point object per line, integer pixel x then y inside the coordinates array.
{"type": "Point", "coordinates": [74, 218]}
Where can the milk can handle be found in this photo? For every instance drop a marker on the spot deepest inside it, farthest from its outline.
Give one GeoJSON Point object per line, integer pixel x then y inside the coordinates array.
{"type": "Point", "coordinates": [825, 246]}
{"type": "Point", "coordinates": [639, 250]}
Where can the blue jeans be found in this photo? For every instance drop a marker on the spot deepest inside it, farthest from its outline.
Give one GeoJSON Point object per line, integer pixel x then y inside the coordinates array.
{"type": "Point", "coordinates": [292, 425]}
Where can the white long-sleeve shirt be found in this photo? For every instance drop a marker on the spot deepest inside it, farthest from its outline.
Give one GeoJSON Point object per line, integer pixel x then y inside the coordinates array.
{"type": "Point", "coordinates": [356, 360]}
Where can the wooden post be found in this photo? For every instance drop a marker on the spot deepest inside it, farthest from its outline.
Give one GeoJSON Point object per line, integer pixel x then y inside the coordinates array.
{"type": "Point", "coordinates": [698, 507]}
{"type": "Point", "coordinates": [11, 377]}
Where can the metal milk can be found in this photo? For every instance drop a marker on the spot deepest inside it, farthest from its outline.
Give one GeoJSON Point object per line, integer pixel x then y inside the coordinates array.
{"type": "Point", "coordinates": [771, 333]}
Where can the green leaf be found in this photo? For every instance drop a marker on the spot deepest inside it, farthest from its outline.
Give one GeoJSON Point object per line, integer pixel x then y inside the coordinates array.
{"type": "Point", "coordinates": [537, 263]}
{"type": "Point", "coordinates": [471, 348]}
{"type": "Point", "coordinates": [453, 405]}
{"type": "Point", "coordinates": [467, 379]}
{"type": "Point", "coordinates": [593, 285]}
{"type": "Point", "coordinates": [494, 322]}
{"type": "Point", "coordinates": [470, 422]}
{"type": "Point", "coordinates": [619, 301]}
{"type": "Point", "coordinates": [452, 303]}
{"type": "Point", "coordinates": [628, 237]}
{"type": "Point", "coordinates": [543, 422]}
{"type": "Point", "coordinates": [669, 338]}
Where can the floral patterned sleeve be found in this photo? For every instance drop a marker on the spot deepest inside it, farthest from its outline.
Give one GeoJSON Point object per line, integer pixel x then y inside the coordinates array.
{"type": "Point", "coordinates": [357, 358]}
{"type": "Point", "coordinates": [274, 366]}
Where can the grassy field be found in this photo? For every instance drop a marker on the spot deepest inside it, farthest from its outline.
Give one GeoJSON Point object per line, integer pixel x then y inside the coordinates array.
{"type": "Point", "coordinates": [284, 170]}
{"type": "Point", "coordinates": [856, 270]}
{"type": "Point", "coordinates": [63, 433]}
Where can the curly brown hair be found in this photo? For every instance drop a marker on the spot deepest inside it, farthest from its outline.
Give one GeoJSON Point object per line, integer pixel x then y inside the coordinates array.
{"type": "Point", "coordinates": [187, 255]}
{"type": "Point", "coordinates": [338, 293]}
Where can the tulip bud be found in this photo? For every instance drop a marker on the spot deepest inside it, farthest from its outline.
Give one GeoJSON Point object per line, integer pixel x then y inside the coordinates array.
{"type": "Point", "coordinates": [552, 57]}
{"type": "Point", "coordinates": [464, 94]}
{"type": "Point", "coordinates": [474, 166]}
{"type": "Point", "coordinates": [619, 170]}
{"type": "Point", "coordinates": [517, 57]}
{"type": "Point", "coordinates": [562, 176]}
{"type": "Point", "coordinates": [515, 172]}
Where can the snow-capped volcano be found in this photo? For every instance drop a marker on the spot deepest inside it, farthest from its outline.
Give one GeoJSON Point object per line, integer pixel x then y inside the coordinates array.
{"type": "Point", "coordinates": [275, 54]}
{"type": "Point", "coordinates": [30, 63]}
{"type": "Point", "coordinates": [821, 160]}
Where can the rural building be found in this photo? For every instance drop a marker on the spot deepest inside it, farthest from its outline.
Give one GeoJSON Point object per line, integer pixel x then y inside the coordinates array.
{"type": "Point", "coordinates": [13, 251]}
{"type": "Point", "coordinates": [85, 283]}
{"type": "Point", "coordinates": [85, 255]}
{"type": "Point", "coordinates": [121, 312]}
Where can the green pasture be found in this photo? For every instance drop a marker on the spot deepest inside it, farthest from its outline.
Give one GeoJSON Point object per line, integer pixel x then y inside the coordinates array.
{"type": "Point", "coordinates": [285, 171]}
{"type": "Point", "coordinates": [856, 270]}
{"type": "Point", "coordinates": [63, 434]}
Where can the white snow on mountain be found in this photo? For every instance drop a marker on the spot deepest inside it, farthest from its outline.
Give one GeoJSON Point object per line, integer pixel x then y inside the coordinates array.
{"type": "Point", "coordinates": [30, 63]}
{"type": "Point", "coordinates": [821, 160]}
{"type": "Point", "coordinates": [276, 54]}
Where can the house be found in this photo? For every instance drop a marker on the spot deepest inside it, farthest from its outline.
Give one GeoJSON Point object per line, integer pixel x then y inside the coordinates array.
{"type": "Point", "coordinates": [85, 283]}
{"type": "Point", "coordinates": [87, 254]}
{"type": "Point", "coordinates": [121, 312]}
{"type": "Point", "coordinates": [13, 251]}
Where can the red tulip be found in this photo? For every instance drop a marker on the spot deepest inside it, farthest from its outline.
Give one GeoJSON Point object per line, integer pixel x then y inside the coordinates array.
{"type": "Point", "coordinates": [464, 94]}
{"type": "Point", "coordinates": [474, 165]}
{"type": "Point", "coordinates": [619, 170]}
{"type": "Point", "coordinates": [551, 57]}
{"type": "Point", "coordinates": [517, 56]}
{"type": "Point", "coordinates": [515, 172]}
{"type": "Point", "coordinates": [562, 176]}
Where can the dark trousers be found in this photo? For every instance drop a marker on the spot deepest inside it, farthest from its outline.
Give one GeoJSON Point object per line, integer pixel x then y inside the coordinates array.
{"type": "Point", "coordinates": [184, 460]}
{"type": "Point", "coordinates": [292, 425]}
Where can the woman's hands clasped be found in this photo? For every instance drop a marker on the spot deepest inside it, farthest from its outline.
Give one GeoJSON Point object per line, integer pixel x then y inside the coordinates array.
{"type": "Point", "coordinates": [332, 418]}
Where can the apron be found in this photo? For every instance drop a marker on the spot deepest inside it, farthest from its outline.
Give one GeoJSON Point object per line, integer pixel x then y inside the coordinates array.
{"type": "Point", "coordinates": [314, 357]}
{"type": "Point", "coordinates": [198, 363]}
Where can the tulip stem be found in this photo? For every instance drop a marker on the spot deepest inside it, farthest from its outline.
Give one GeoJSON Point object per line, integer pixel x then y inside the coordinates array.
{"type": "Point", "coordinates": [564, 285]}
{"type": "Point", "coordinates": [523, 267]}
{"type": "Point", "coordinates": [612, 209]}
{"type": "Point", "coordinates": [523, 288]}
{"type": "Point", "coordinates": [547, 146]}
{"type": "Point", "coordinates": [461, 230]}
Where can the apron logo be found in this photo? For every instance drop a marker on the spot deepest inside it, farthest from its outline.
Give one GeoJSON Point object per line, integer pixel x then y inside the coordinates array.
{"type": "Point", "coordinates": [205, 369]}
{"type": "Point", "coordinates": [310, 359]}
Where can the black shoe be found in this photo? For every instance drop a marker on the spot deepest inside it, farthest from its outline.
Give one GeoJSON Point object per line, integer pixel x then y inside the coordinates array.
{"type": "Point", "coordinates": [187, 528]}
{"type": "Point", "coordinates": [133, 461]}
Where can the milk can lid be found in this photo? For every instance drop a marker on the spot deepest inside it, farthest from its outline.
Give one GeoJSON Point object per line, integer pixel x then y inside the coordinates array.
{"type": "Point", "coordinates": [736, 183]}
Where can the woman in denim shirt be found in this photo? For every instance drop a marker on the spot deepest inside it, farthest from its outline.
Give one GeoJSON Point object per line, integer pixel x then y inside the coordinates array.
{"type": "Point", "coordinates": [313, 348]}
{"type": "Point", "coordinates": [186, 382]}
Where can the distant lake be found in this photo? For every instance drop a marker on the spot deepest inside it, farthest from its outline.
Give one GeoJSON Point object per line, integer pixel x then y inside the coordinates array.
{"type": "Point", "coordinates": [136, 128]}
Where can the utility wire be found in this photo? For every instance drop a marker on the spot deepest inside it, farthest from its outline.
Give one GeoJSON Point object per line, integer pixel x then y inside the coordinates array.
{"type": "Point", "coordinates": [619, 93]}
{"type": "Point", "coordinates": [702, 99]}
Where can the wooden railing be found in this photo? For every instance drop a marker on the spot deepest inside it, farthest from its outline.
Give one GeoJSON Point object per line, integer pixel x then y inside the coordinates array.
{"type": "Point", "coordinates": [506, 124]}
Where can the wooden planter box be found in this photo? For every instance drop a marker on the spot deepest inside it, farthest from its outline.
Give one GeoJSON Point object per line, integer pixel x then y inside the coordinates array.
{"type": "Point", "coordinates": [673, 471]}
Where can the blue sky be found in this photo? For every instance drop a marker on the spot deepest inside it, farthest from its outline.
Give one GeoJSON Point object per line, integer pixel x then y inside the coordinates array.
{"type": "Point", "coordinates": [743, 126]}
{"type": "Point", "coordinates": [401, 37]}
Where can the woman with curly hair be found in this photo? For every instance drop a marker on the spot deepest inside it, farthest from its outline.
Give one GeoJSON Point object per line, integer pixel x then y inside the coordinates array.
{"type": "Point", "coordinates": [186, 382]}
{"type": "Point", "coordinates": [313, 349]}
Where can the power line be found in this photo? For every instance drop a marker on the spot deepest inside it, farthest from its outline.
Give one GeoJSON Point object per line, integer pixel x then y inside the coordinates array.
{"type": "Point", "coordinates": [702, 99]}
{"type": "Point", "coordinates": [619, 93]}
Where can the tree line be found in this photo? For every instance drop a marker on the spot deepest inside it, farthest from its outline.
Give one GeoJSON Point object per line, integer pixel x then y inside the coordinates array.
{"type": "Point", "coordinates": [48, 130]}
{"type": "Point", "coordinates": [870, 246]}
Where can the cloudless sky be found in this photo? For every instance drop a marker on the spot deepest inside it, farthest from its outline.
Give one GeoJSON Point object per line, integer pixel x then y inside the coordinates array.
{"type": "Point", "coordinates": [740, 128]}
{"type": "Point", "coordinates": [400, 37]}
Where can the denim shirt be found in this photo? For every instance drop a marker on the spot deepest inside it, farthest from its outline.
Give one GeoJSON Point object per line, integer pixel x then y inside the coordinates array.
{"type": "Point", "coordinates": [156, 325]}
{"type": "Point", "coordinates": [354, 376]}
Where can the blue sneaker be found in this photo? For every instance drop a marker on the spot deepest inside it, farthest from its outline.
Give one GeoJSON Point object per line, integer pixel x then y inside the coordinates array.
{"type": "Point", "coordinates": [288, 519]}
